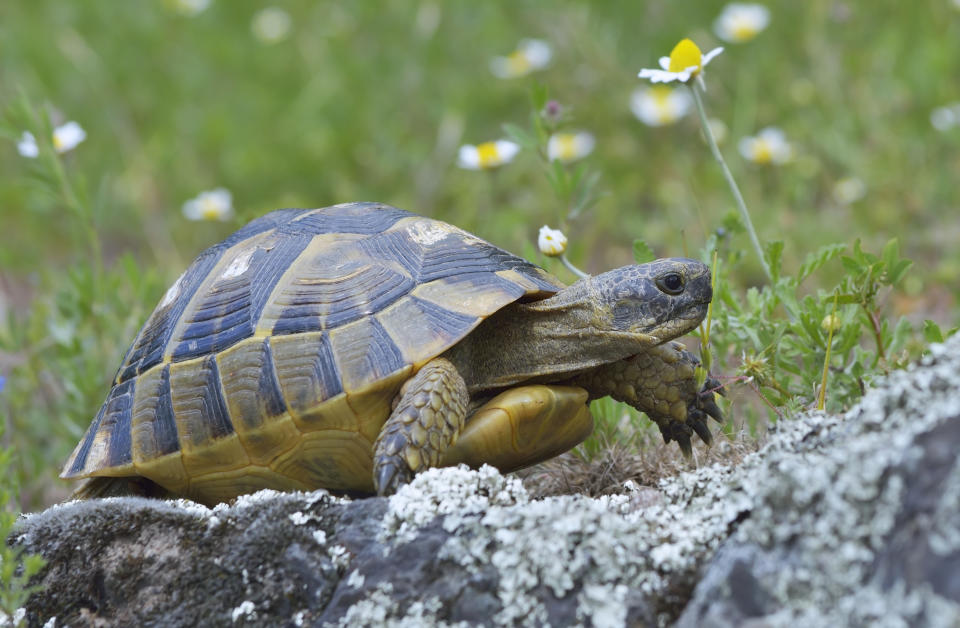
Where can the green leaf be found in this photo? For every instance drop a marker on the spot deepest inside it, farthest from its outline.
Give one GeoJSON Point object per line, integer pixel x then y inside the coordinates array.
{"type": "Point", "coordinates": [896, 273]}
{"type": "Point", "coordinates": [774, 254]}
{"type": "Point", "coordinates": [901, 334]}
{"type": "Point", "coordinates": [842, 299]}
{"type": "Point", "coordinates": [852, 266]}
{"type": "Point", "coordinates": [814, 261]}
{"type": "Point", "coordinates": [642, 253]}
{"type": "Point", "coordinates": [891, 253]}
{"type": "Point", "coordinates": [931, 331]}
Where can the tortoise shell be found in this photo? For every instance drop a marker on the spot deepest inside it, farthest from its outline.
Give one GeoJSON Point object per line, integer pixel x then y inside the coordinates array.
{"type": "Point", "coordinates": [273, 360]}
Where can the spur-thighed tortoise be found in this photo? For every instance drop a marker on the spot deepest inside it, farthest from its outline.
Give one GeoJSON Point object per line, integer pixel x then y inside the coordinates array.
{"type": "Point", "coordinates": [352, 346]}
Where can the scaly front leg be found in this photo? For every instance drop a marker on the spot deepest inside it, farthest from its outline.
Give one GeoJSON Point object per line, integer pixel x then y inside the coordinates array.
{"type": "Point", "coordinates": [661, 383]}
{"type": "Point", "coordinates": [427, 418]}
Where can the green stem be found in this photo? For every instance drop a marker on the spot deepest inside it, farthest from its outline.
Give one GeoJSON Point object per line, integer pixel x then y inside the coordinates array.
{"type": "Point", "coordinates": [573, 269]}
{"type": "Point", "coordinates": [741, 205]}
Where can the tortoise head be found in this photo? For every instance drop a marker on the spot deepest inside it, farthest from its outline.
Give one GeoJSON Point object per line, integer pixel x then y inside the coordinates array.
{"type": "Point", "coordinates": [660, 300]}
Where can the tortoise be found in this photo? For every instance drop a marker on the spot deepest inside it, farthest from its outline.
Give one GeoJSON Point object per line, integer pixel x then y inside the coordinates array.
{"type": "Point", "coordinates": [352, 346]}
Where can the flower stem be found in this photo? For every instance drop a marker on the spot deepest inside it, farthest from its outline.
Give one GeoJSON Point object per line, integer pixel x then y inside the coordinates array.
{"type": "Point", "coordinates": [573, 269]}
{"type": "Point", "coordinates": [741, 205]}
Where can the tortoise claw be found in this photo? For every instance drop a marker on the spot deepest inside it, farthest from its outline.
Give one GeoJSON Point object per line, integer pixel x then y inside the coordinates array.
{"type": "Point", "coordinates": [699, 426]}
{"type": "Point", "coordinates": [389, 477]}
{"type": "Point", "coordinates": [679, 432]}
{"type": "Point", "coordinates": [683, 440]}
{"type": "Point", "coordinates": [709, 406]}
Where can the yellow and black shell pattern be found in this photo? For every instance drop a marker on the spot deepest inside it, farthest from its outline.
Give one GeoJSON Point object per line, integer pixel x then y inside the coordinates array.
{"type": "Point", "coordinates": [273, 360]}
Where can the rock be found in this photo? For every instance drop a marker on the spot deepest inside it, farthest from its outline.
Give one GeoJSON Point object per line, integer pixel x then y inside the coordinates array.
{"type": "Point", "coordinates": [857, 522]}
{"type": "Point", "coordinates": [839, 520]}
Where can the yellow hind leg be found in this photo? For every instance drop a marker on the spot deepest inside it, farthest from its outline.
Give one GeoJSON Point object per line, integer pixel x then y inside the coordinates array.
{"type": "Point", "coordinates": [523, 426]}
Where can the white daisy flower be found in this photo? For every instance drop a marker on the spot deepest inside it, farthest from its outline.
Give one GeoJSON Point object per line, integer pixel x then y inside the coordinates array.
{"type": "Point", "coordinates": [568, 147]}
{"type": "Point", "coordinates": [487, 155]}
{"type": "Point", "coordinates": [660, 105]}
{"type": "Point", "coordinates": [190, 7]}
{"type": "Point", "coordinates": [552, 242]}
{"type": "Point", "coordinates": [211, 205]}
{"type": "Point", "coordinates": [684, 63]}
{"type": "Point", "coordinates": [67, 136]}
{"type": "Point", "coordinates": [530, 55]}
{"type": "Point", "coordinates": [27, 146]}
{"type": "Point", "coordinates": [740, 22]}
{"type": "Point", "coordinates": [946, 117]}
{"type": "Point", "coordinates": [271, 25]}
{"type": "Point", "coordinates": [849, 190]}
{"type": "Point", "coordinates": [769, 146]}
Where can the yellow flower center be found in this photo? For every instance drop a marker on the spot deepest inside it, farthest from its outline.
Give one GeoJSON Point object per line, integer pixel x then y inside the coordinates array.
{"type": "Point", "coordinates": [661, 100]}
{"type": "Point", "coordinates": [488, 155]}
{"type": "Point", "coordinates": [685, 55]}
{"type": "Point", "coordinates": [762, 152]}
{"type": "Point", "coordinates": [566, 146]}
{"type": "Point", "coordinates": [210, 210]}
{"type": "Point", "coordinates": [743, 29]}
{"type": "Point", "coordinates": [518, 62]}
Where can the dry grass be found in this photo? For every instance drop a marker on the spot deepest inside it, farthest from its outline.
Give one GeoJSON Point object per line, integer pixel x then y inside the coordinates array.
{"type": "Point", "coordinates": [642, 458]}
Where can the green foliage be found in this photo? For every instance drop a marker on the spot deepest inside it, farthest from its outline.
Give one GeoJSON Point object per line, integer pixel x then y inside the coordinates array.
{"type": "Point", "coordinates": [16, 566]}
{"type": "Point", "coordinates": [779, 333]}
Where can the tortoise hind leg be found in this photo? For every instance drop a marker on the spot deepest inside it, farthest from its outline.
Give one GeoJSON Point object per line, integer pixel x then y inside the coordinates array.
{"type": "Point", "coordinates": [523, 426]}
{"type": "Point", "coordinates": [426, 421]}
{"type": "Point", "coordinates": [128, 486]}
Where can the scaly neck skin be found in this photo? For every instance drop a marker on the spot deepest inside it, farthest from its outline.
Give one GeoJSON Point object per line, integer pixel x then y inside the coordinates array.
{"type": "Point", "coordinates": [549, 340]}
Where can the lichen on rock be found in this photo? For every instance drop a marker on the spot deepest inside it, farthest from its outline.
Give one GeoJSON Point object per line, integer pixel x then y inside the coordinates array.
{"type": "Point", "coordinates": [839, 520]}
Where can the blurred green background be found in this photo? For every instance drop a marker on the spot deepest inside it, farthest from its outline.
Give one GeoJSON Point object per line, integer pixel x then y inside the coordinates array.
{"type": "Point", "coordinates": [371, 101]}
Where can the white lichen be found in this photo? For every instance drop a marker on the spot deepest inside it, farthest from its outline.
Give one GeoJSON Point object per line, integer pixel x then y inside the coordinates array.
{"type": "Point", "coordinates": [378, 610]}
{"type": "Point", "coordinates": [246, 610]}
{"type": "Point", "coordinates": [298, 518]}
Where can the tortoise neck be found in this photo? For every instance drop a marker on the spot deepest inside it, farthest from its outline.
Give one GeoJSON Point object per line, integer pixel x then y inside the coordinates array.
{"type": "Point", "coordinates": [543, 341]}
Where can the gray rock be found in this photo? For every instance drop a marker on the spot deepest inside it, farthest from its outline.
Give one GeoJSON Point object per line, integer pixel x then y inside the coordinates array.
{"type": "Point", "coordinates": [839, 520]}
{"type": "Point", "coordinates": [857, 523]}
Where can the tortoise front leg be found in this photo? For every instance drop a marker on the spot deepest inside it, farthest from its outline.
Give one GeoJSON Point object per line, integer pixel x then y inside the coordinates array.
{"type": "Point", "coordinates": [426, 420]}
{"type": "Point", "coordinates": [661, 383]}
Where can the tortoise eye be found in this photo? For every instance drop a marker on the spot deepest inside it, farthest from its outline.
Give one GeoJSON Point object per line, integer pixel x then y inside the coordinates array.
{"type": "Point", "coordinates": [671, 283]}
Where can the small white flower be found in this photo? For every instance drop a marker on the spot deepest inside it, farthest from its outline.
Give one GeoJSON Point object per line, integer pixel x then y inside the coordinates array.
{"type": "Point", "coordinates": [769, 146]}
{"type": "Point", "coordinates": [190, 7]}
{"type": "Point", "coordinates": [211, 205]}
{"type": "Point", "coordinates": [569, 146]}
{"type": "Point", "coordinates": [946, 117]}
{"type": "Point", "coordinates": [684, 63]}
{"type": "Point", "coordinates": [849, 190]}
{"type": "Point", "coordinates": [27, 146]}
{"type": "Point", "coordinates": [660, 105]}
{"type": "Point", "coordinates": [552, 242]}
{"type": "Point", "coordinates": [487, 155]}
{"type": "Point", "coordinates": [741, 22]}
{"type": "Point", "coordinates": [271, 25]}
{"type": "Point", "coordinates": [530, 55]}
{"type": "Point", "coordinates": [67, 136]}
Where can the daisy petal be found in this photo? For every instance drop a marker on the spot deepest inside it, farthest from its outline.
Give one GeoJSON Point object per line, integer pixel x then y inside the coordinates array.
{"type": "Point", "coordinates": [710, 55]}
